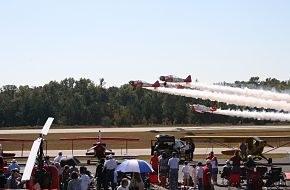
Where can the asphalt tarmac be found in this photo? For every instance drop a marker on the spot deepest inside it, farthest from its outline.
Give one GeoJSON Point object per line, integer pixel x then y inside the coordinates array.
{"type": "Point", "coordinates": [144, 129]}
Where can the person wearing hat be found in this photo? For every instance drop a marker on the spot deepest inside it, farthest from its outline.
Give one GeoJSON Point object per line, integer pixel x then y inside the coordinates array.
{"type": "Point", "coordinates": [206, 176]}
{"type": "Point", "coordinates": [13, 165]}
{"type": "Point", "coordinates": [110, 166]}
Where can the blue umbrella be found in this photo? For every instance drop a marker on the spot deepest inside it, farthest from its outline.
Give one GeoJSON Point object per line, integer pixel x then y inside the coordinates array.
{"type": "Point", "coordinates": [135, 165]}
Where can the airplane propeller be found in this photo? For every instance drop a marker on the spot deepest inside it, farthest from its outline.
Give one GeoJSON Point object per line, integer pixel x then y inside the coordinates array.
{"type": "Point", "coordinates": [36, 150]}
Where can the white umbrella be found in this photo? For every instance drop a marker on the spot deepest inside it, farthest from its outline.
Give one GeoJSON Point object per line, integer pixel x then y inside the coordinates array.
{"type": "Point", "coordinates": [135, 165]}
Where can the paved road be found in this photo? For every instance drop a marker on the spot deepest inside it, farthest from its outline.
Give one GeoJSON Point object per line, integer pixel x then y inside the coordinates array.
{"type": "Point", "coordinates": [145, 129]}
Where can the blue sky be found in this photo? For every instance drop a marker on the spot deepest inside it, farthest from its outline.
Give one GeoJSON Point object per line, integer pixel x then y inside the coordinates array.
{"type": "Point", "coordinates": [120, 41]}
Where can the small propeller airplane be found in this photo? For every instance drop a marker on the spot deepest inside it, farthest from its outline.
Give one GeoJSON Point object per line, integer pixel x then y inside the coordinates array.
{"type": "Point", "coordinates": [174, 79]}
{"type": "Point", "coordinates": [202, 108]}
{"type": "Point", "coordinates": [139, 83]}
{"type": "Point", "coordinates": [254, 145]}
{"type": "Point", "coordinates": [100, 149]}
{"type": "Point", "coordinates": [45, 176]}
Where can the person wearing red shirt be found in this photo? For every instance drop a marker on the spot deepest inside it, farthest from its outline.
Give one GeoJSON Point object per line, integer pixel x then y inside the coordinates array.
{"type": "Point", "coordinates": [206, 176]}
{"type": "Point", "coordinates": [154, 162]}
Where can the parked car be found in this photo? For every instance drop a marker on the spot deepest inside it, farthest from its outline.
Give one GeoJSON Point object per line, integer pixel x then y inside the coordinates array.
{"type": "Point", "coordinates": [168, 144]}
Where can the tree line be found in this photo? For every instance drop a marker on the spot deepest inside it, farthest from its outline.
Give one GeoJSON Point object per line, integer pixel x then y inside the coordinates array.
{"type": "Point", "coordinates": [82, 102]}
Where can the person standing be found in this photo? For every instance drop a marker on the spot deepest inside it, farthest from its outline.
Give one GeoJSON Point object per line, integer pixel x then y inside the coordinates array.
{"type": "Point", "coordinates": [65, 177]}
{"type": "Point", "coordinates": [173, 171]}
{"type": "Point", "coordinates": [187, 151]}
{"type": "Point", "coordinates": [214, 169]}
{"type": "Point", "coordinates": [199, 173]}
{"type": "Point", "coordinates": [110, 166]}
{"type": "Point", "coordinates": [154, 161]}
{"type": "Point", "coordinates": [163, 169]}
{"type": "Point", "coordinates": [194, 176]}
{"type": "Point", "coordinates": [236, 160]}
{"type": "Point", "coordinates": [74, 183]}
{"type": "Point", "coordinates": [2, 180]}
{"type": "Point", "coordinates": [85, 179]}
{"type": "Point", "coordinates": [243, 148]}
{"type": "Point", "coordinates": [101, 175]}
{"type": "Point", "coordinates": [226, 173]}
{"type": "Point", "coordinates": [206, 176]}
{"type": "Point", "coordinates": [186, 173]}
{"type": "Point", "coordinates": [192, 149]}
{"type": "Point", "coordinates": [250, 166]}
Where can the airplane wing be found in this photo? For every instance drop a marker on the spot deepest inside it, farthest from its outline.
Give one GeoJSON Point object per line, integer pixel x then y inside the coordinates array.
{"type": "Point", "coordinates": [236, 138]}
{"type": "Point", "coordinates": [103, 139]}
{"type": "Point", "coordinates": [16, 140]}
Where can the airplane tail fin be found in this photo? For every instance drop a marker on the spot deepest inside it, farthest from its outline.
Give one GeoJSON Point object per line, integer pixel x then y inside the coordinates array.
{"type": "Point", "coordinates": [156, 84]}
{"type": "Point", "coordinates": [188, 79]}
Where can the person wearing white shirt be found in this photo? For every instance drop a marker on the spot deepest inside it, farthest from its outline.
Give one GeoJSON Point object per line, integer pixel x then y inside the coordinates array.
{"type": "Point", "coordinates": [199, 173]}
{"type": "Point", "coordinates": [85, 179]}
{"type": "Point", "coordinates": [110, 166]}
{"type": "Point", "coordinates": [186, 173]}
{"type": "Point", "coordinates": [124, 184]}
{"type": "Point", "coordinates": [58, 157]}
{"type": "Point", "coordinates": [173, 172]}
{"type": "Point", "coordinates": [194, 176]}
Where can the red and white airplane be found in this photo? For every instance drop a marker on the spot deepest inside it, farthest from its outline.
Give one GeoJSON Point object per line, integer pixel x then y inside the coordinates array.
{"type": "Point", "coordinates": [139, 83]}
{"type": "Point", "coordinates": [171, 78]}
{"type": "Point", "coordinates": [100, 149]}
{"type": "Point", "coordinates": [202, 108]}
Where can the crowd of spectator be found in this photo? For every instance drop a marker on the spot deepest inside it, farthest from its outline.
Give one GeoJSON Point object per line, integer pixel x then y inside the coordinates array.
{"type": "Point", "coordinates": [196, 176]}
{"type": "Point", "coordinates": [202, 176]}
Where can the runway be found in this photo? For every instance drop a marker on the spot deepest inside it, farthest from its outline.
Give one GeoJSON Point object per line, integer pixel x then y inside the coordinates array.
{"type": "Point", "coordinates": [120, 152]}
{"type": "Point", "coordinates": [146, 129]}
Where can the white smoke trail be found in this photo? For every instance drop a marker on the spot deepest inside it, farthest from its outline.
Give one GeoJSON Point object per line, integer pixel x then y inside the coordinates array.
{"type": "Point", "coordinates": [273, 116]}
{"type": "Point", "coordinates": [240, 91]}
{"type": "Point", "coordinates": [228, 98]}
